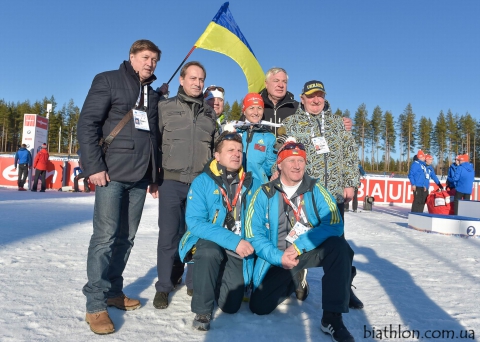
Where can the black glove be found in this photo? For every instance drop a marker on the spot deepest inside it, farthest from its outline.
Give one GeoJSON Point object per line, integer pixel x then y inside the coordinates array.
{"type": "Point", "coordinates": [440, 186]}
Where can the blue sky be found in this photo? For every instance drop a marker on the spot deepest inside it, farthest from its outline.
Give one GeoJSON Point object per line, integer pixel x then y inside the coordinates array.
{"type": "Point", "coordinates": [386, 53]}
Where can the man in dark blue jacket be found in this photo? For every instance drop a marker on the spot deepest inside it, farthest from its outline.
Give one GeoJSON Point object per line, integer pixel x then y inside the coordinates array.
{"type": "Point", "coordinates": [451, 173]}
{"type": "Point", "coordinates": [23, 158]}
{"type": "Point", "coordinates": [419, 179]}
{"type": "Point", "coordinates": [463, 180]}
{"type": "Point", "coordinates": [293, 223]}
{"type": "Point", "coordinates": [121, 172]}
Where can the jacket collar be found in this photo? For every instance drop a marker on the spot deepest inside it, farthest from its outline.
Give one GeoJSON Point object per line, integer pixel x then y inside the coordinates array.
{"type": "Point", "coordinates": [130, 71]}
{"type": "Point", "coordinates": [215, 171]}
{"type": "Point", "coordinates": [272, 187]}
{"type": "Point", "coordinates": [185, 98]}
{"type": "Point", "coordinates": [288, 99]}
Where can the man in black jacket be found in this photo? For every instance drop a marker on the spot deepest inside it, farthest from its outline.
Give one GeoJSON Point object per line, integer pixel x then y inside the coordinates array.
{"type": "Point", "coordinates": [121, 173]}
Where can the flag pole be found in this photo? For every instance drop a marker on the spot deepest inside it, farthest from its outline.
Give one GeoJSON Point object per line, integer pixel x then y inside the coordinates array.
{"type": "Point", "coordinates": [183, 62]}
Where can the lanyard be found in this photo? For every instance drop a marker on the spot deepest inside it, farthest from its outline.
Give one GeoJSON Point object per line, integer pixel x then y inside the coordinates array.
{"type": "Point", "coordinates": [321, 125]}
{"type": "Point", "coordinates": [145, 96]}
{"type": "Point", "coordinates": [296, 211]}
{"type": "Point", "coordinates": [230, 206]}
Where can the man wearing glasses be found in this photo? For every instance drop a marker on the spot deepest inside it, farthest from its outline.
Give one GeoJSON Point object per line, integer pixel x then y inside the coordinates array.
{"type": "Point", "coordinates": [293, 224]}
{"type": "Point", "coordinates": [331, 150]}
{"type": "Point", "coordinates": [215, 239]}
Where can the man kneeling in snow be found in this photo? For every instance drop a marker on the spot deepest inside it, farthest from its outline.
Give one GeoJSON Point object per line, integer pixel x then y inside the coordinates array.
{"type": "Point", "coordinates": [294, 223]}
{"type": "Point", "coordinates": [215, 239]}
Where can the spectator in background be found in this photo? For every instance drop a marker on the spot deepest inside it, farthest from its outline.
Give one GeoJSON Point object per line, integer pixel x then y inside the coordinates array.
{"type": "Point", "coordinates": [40, 166]}
{"type": "Point", "coordinates": [215, 97]}
{"type": "Point", "coordinates": [355, 194]}
{"type": "Point", "coordinates": [463, 180]}
{"type": "Point", "coordinates": [418, 180]}
{"type": "Point", "coordinates": [79, 176]}
{"type": "Point", "coordinates": [451, 173]}
{"type": "Point", "coordinates": [431, 172]}
{"type": "Point", "coordinates": [23, 158]}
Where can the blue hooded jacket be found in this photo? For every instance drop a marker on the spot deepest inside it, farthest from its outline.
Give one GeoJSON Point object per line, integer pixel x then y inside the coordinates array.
{"type": "Point", "coordinates": [206, 212]}
{"type": "Point", "coordinates": [451, 174]}
{"type": "Point", "coordinates": [23, 156]}
{"type": "Point", "coordinates": [418, 175]}
{"type": "Point", "coordinates": [261, 223]}
{"type": "Point", "coordinates": [464, 177]}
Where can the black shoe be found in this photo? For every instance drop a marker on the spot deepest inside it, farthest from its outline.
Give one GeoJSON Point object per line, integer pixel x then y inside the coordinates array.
{"type": "Point", "coordinates": [354, 302]}
{"type": "Point", "coordinates": [33, 190]}
{"type": "Point", "coordinates": [190, 292]}
{"type": "Point", "coordinates": [332, 323]}
{"type": "Point", "coordinates": [177, 272]}
{"type": "Point", "coordinates": [161, 300]}
{"type": "Point", "coordinates": [303, 289]}
{"type": "Point", "coordinates": [202, 322]}
{"type": "Point", "coordinates": [42, 190]}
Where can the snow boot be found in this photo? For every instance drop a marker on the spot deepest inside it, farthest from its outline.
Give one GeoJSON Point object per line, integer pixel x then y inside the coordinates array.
{"type": "Point", "coordinates": [354, 302]}
{"type": "Point", "coordinates": [202, 322]}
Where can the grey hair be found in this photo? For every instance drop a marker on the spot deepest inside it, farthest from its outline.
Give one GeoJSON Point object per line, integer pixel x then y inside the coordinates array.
{"type": "Point", "coordinates": [274, 71]}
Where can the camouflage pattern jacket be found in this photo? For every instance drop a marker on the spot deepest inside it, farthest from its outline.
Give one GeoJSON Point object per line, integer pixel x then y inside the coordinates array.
{"type": "Point", "coordinates": [337, 169]}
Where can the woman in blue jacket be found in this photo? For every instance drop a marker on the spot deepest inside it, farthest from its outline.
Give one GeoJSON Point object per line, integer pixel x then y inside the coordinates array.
{"type": "Point", "coordinates": [259, 152]}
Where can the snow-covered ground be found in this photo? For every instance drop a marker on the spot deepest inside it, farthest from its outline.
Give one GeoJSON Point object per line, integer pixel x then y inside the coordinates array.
{"type": "Point", "coordinates": [408, 279]}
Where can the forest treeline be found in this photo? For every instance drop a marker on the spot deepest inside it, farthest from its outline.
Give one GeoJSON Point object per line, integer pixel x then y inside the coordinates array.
{"type": "Point", "coordinates": [379, 134]}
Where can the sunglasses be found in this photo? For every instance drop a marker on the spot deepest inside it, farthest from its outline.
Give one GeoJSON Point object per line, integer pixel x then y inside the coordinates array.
{"type": "Point", "coordinates": [293, 146]}
{"type": "Point", "coordinates": [220, 89]}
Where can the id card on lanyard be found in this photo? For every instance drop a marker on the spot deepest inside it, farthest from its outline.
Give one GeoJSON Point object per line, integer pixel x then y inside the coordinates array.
{"type": "Point", "coordinates": [299, 228]}
{"type": "Point", "coordinates": [230, 222]}
{"type": "Point", "coordinates": [140, 117]}
{"type": "Point", "coordinates": [319, 142]}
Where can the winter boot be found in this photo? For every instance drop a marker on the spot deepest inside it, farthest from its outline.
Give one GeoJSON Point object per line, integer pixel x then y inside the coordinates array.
{"type": "Point", "coordinates": [303, 289]}
{"type": "Point", "coordinates": [354, 302]}
{"type": "Point", "coordinates": [122, 302]}
{"type": "Point", "coordinates": [332, 323]}
{"type": "Point", "coordinates": [161, 300]}
{"type": "Point", "coordinates": [100, 323]}
{"type": "Point", "coordinates": [202, 322]}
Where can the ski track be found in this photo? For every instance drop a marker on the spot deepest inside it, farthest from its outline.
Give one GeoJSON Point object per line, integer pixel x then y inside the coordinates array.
{"type": "Point", "coordinates": [418, 280]}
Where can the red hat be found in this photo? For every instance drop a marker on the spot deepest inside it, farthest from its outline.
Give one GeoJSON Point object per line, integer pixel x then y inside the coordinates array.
{"type": "Point", "coordinates": [427, 156]}
{"type": "Point", "coordinates": [420, 154]}
{"type": "Point", "coordinates": [291, 148]}
{"type": "Point", "coordinates": [252, 99]}
{"type": "Point", "coordinates": [463, 157]}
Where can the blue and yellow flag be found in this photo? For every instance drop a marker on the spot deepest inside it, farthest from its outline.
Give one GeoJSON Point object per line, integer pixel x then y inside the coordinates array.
{"type": "Point", "coordinates": [223, 35]}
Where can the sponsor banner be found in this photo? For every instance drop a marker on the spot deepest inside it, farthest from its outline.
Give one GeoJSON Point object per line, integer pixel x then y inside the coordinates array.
{"type": "Point", "coordinates": [9, 176]}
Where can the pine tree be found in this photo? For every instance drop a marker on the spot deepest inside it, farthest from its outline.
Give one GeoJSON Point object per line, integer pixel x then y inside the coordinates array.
{"type": "Point", "coordinates": [439, 140]}
{"type": "Point", "coordinates": [360, 128]}
{"type": "Point", "coordinates": [236, 111]}
{"type": "Point", "coordinates": [388, 136]}
{"type": "Point", "coordinates": [375, 132]}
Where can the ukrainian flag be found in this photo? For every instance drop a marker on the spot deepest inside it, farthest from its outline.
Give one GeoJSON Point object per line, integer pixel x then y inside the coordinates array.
{"type": "Point", "coordinates": [224, 36]}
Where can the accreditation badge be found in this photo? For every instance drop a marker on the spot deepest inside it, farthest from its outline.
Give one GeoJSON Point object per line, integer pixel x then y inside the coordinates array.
{"type": "Point", "coordinates": [297, 230]}
{"type": "Point", "coordinates": [320, 145]}
{"type": "Point", "coordinates": [141, 120]}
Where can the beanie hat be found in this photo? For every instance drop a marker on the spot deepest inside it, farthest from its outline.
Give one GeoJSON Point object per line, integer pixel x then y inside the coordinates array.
{"type": "Point", "coordinates": [427, 156]}
{"type": "Point", "coordinates": [291, 148]}
{"type": "Point", "coordinates": [463, 157]}
{"type": "Point", "coordinates": [44, 145]}
{"type": "Point", "coordinates": [252, 99]}
{"type": "Point", "coordinates": [420, 154]}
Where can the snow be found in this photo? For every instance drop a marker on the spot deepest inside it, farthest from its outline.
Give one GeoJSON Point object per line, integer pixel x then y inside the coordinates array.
{"type": "Point", "coordinates": [405, 277]}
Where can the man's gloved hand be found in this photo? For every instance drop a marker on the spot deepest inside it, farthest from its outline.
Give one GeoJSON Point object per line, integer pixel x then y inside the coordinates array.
{"type": "Point", "coordinates": [440, 186]}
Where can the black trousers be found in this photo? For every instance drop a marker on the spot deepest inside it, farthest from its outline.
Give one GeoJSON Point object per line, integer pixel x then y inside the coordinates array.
{"type": "Point", "coordinates": [459, 196]}
{"type": "Point", "coordinates": [354, 201]}
{"type": "Point", "coordinates": [419, 198]}
{"type": "Point", "coordinates": [216, 276]}
{"type": "Point", "coordinates": [85, 182]}
{"type": "Point", "coordinates": [172, 196]}
{"type": "Point", "coordinates": [22, 174]}
{"type": "Point", "coordinates": [334, 255]}
{"type": "Point", "coordinates": [38, 174]}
